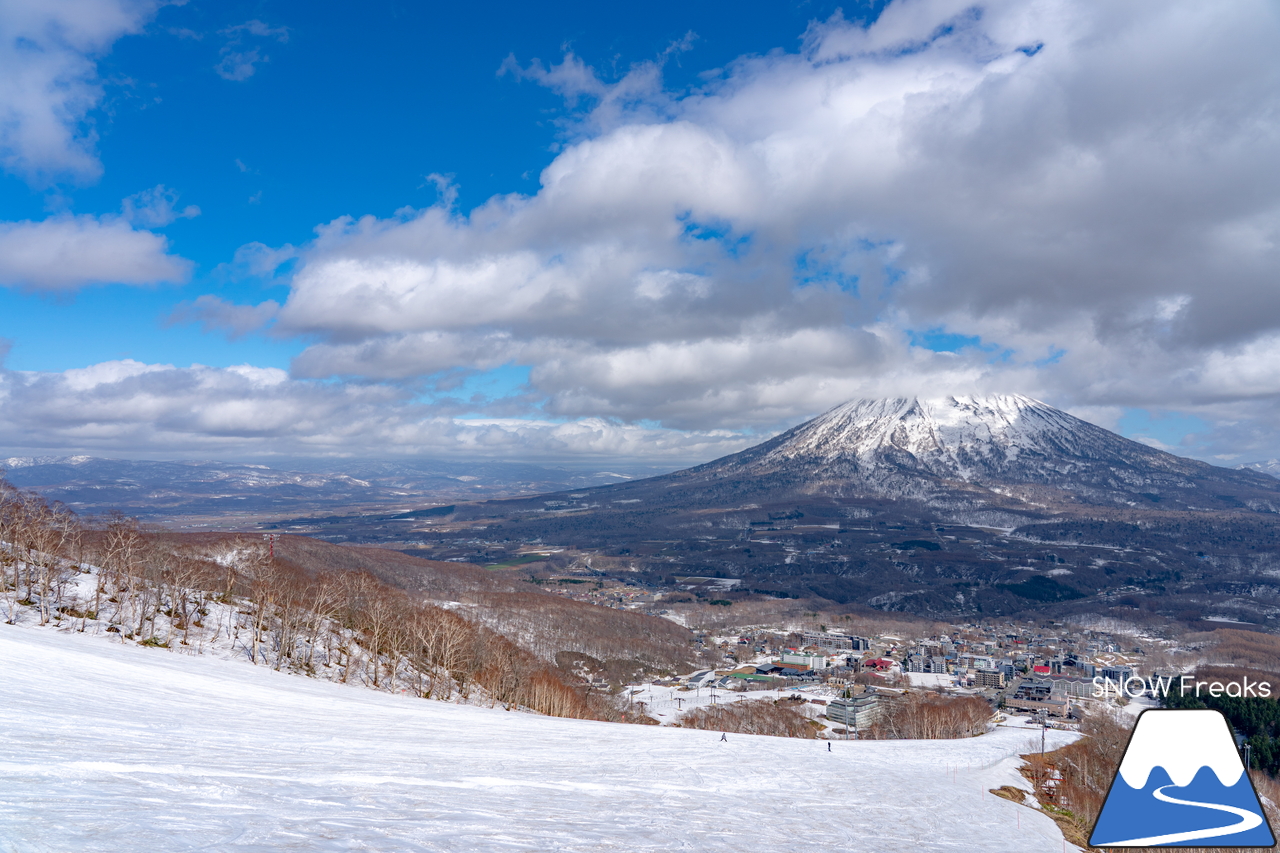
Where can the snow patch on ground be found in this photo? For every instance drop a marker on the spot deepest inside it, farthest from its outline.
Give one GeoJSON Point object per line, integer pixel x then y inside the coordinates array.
{"type": "Point", "coordinates": [113, 747]}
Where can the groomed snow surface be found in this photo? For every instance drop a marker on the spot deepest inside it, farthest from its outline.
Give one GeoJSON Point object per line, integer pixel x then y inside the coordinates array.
{"type": "Point", "coordinates": [109, 747]}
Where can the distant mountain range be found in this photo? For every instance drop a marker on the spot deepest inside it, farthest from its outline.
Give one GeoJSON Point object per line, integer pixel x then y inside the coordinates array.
{"type": "Point", "coordinates": [958, 505]}
{"type": "Point", "coordinates": [174, 490]}
{"type": "Point", "coordinates": [976, 450]}
{"type": "Point", "coordinates": [1270, 466]}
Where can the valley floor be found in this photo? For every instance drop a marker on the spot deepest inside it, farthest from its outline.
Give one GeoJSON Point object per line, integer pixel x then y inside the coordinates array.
{"type": "Point", "coordinates": [105, 747]}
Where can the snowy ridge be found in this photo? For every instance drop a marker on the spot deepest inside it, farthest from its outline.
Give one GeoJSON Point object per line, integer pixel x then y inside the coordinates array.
{"type": "Point", "coordinates": [949, 432]}
{"type": "Point", "coordinates": [1181, 742]}
{"type": "Point", "coordinates": [27, 461]}
{"type": "Point", "coordinates": [1270, 467]}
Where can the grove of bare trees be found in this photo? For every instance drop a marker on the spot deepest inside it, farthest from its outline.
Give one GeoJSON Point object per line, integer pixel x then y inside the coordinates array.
{"type": "Point", "coordinates": [543, 623]}
{"type": "Point", "coordinates": [930, 715]}
{"type": "Point", "coordinates": [233, 595]}
{"type": "Point", "coordinates": [752, 717]}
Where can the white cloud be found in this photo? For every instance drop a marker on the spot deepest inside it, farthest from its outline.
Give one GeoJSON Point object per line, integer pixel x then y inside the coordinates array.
{"type": "Point", "coordinates": [81, 379]}
{"type": "Point", "coordinates": [49, 81]}
{"type": "Point", "coordinates": [240, 56]}
{"type": "Point", "coordinates": [572, 78]}
{"type": "Point", "coordinates": [65, 253]}
{"type": "Point", "coordinates": [156, 208]}
{"type": "Point", "coordinates": [215, 314]}
{"type": "Point", "coordinates": [122, 406]}
{"type": "Point", "coordinates": [1088, 189]}
{"type": "Point", "coordinates": [258, 260]}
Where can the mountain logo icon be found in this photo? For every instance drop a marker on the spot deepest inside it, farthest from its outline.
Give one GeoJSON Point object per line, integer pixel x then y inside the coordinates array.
{"type": "Point", "coordinates": [1181, 783]}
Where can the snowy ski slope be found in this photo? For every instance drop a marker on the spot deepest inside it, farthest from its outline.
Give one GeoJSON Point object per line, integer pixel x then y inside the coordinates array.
{"type": "Point", "coordinates": [105, 747]}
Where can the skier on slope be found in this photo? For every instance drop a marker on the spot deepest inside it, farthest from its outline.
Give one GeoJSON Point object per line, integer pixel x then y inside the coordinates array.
{"type": "Point", "coordinates": [723, 736]}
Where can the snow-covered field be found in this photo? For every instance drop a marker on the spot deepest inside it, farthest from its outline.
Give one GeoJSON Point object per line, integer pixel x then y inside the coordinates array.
{"type": "Point", "coordinates": [107, 747]}
{"type": "Point", "coordinates": [666, 704]}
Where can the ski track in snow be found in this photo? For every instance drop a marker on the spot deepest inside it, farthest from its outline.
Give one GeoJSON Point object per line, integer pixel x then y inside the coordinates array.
{"type": "Point", "coordinates": [106, 747]}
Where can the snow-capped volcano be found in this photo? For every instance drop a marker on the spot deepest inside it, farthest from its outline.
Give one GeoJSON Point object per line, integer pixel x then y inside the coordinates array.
{"type": "Point", "coordinates": [908, 446]}
{"type": "Point", "coordinates": [951, 434]}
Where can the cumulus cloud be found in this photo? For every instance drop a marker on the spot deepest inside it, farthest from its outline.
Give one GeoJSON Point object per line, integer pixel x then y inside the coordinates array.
{"type": "Point", "coordinates": [49, 81]}
{"type": "Point", "coordinates": [1085, 193]}
{"type": "Point", "coordinates": [65, 253]}
{"type": "Point", "coordinates": [120, 406]}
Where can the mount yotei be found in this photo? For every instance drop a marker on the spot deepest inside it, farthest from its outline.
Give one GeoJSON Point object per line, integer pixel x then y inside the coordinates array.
{"type": "Point", "coordinates": [986, 505]}
{"type": "Point", "coordinates": [975, 453]}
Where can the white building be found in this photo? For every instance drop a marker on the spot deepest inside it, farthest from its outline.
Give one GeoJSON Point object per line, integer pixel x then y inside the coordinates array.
{"type": "Point", "coordinates": [803, 659]}
{"type": "Point", "coordinates": [857, 713]}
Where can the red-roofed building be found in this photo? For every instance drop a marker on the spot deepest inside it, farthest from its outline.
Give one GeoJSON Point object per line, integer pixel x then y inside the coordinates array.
{"type": "Point", "coordinates": [877, 664]}
{"type": "Point", "coordinates": [1041, 670]}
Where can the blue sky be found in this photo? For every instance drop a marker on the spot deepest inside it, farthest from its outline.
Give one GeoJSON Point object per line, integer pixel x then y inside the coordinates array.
{"type": "Point", "coordinates": [591, 231]}
{"type": "Point", "coordinates": [344, 116]}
